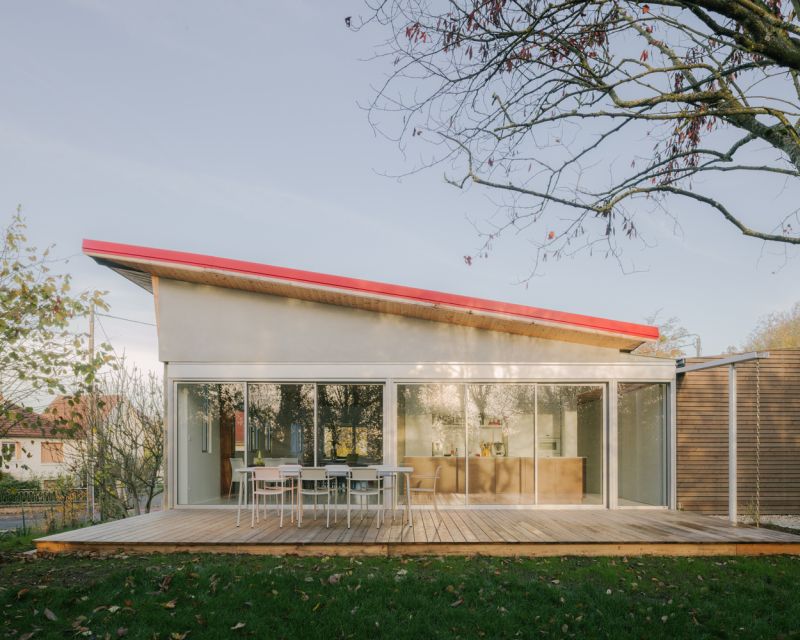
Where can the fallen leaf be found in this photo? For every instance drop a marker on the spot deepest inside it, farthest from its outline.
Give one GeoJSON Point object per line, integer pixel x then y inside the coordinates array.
{"type": "Point", "coordinates": [238, 625]}
{"type": "Point", "coordinates": [334, 579]}
{"type": "Point", "coordinates": [170, 605]}
{"type": "Point", "coordinates": [50, 615]}
{"type": "Point", "coordinates": [113, 608]}
{"type": "Point", "coordinates": [122, 632]}
{"type": "Point", "coordinates": [458, 602]}
{"type": "Point", "coordinates": [22, 593]}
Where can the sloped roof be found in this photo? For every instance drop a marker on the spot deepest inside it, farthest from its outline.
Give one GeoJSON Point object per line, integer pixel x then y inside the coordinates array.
{"type": "Point", "coordinates": [142, 264]}
{"type": "Point", "coordinates": [65, 408]}
{"type": "Point", "coordinates": [22, 423]}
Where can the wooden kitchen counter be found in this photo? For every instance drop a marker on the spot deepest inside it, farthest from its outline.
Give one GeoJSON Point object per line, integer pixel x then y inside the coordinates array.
{"type": "Point", "coordinates": [561, 480]}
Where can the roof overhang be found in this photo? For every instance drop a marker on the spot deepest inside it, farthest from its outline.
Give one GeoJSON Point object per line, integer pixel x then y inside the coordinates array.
{"type": "Point", "coordinates": [141, 264]}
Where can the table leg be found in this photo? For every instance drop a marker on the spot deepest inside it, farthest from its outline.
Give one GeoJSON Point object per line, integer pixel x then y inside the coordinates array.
{"type": "Point", "coordinates": [408, 500]}
{"type": "Point", "coordinates": [291, 492]}
{"type": "Point", "coordinates": [395, 480]}
{"type": "Point", "coordinates": [336, 502]}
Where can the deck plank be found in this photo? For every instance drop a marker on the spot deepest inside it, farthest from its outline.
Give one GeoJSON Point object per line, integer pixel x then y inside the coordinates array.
{"type": "Point", "coordinates": [491, 531]}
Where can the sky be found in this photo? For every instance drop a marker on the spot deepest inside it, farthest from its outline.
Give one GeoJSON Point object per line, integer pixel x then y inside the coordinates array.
{"type": "Point", "coordinates": [235, 130]}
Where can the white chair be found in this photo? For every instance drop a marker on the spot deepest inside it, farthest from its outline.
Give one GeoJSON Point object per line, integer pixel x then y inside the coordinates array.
{"type": "Point", "coordinates": [236, 477]}
{"type": "Point", "coordinates": [320, 486]}
{"type": "Point", "coordinates": [364, 483]}
{"type": "Point", "coordinates": [267, 481]}
{"type": "Point", "coordinates": [433, 479]}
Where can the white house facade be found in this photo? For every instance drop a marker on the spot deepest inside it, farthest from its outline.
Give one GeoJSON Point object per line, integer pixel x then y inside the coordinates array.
{"type": "Point", "coordinates": [516, 406]}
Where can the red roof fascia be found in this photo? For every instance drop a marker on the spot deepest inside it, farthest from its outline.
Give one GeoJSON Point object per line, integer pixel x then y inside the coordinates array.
{"type": "Point", "coordinates": [368, 287]}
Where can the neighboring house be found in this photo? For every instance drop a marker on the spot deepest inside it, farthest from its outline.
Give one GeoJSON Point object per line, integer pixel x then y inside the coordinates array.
{"type": "Point", "coordinates": [35, 448]}
{"type": "Point", "coordinates": [514, 405]}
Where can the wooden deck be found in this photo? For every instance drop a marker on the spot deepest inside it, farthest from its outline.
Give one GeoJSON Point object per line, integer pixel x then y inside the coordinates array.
{"type": "Point", "coordinates": [501, 532]}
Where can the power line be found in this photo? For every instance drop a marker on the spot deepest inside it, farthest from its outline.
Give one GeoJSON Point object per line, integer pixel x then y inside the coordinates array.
{"type": "Point", "coordinates": [107, 315]}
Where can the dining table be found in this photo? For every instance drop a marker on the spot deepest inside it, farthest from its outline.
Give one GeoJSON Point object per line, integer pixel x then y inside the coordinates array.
{"type": "Point", "coordinates": [393, 471]}
{"type": "Point", "coordinates": [293, 471]}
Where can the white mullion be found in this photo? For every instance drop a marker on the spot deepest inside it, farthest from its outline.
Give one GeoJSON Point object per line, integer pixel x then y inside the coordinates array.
{"type": "Point", "coordinates": [613, 445]}
{"type": "Point", "coordinates": [316, 423]}
{"type": "Point", "coordinates": [536, 444]}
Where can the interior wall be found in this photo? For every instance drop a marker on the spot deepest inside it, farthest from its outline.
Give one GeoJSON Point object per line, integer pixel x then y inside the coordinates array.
{"type": "Point", "coordinates": [199, 471]}
{"type": "Point", "coordinates": [642, 436]}
{"type": "Point", "coordinates": [590, 443]}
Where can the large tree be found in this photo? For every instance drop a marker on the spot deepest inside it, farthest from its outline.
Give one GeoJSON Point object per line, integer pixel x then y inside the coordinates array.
{"type": "Point", "coordinates": [779, 330]}
{"type": "Point", "coordinates": [674, 340]}
{"type": "Point", "coordinates": [583, 116]}
{"type": "Point", "coordinates": [123, 444]}
{"type": "Point", "coordinates": [42, 350]}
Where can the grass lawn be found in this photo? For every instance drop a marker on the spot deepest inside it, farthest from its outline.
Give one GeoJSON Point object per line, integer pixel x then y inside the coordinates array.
{"type": "Point", "coordinates": [217, 596]}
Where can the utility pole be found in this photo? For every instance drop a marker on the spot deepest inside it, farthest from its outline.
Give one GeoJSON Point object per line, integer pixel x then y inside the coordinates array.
{"type": "Point", "coordinates": [90, 424]}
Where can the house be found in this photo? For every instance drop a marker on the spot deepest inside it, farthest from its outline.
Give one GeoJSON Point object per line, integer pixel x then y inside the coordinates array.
{"type": "Point", "coordinates": [35, 448]}
{"type": "Point", "coordinates": [517, 406]}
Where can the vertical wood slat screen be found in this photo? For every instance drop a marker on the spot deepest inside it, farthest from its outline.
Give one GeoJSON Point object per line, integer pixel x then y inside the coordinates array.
{"type": "Point", "coordinates": [702, 430]}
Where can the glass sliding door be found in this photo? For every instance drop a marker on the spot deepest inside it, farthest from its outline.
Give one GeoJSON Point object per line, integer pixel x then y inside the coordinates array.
{"type": "Point", "coordinates": [349, 424]}
{"type": "Point", "coordinates": [431, 434]}
{"type": "Point", "coordinates": [280, 422]}
{"type": "Point", "coordinates": [642, 444]}
{"type": "Point", "coordinates": [570, 426]}
{"type": "Point", "coordinates": [210, 431]}
{"type": "Point", "coordinates": [500, 443]}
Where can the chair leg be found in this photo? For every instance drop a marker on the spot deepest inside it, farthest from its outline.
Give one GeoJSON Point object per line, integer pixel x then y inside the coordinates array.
{"type": "Point", "coordinates": [348, 505]}
{"type": "Point", "coordinates": [328, 511]}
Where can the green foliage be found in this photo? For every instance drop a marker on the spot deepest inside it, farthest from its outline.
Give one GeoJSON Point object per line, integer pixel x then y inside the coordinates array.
{"type": "Point", "coordinates": [217, 596]}
{"type": "Point", "coordinates": [41, 354]}
{"type": "Point", "coordinates": [8, 483]}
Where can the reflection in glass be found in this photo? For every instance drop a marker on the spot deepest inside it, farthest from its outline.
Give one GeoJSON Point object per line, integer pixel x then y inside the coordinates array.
{"type": "Point", "coordinates": [430, 433]}
{"type": "Point", "coordinates": [642, 444]}
{"type": "Point", "coordinates": [350, 423]}
{"type": "Point", "coordinates": [570, 444]}
{"type": "Point", "coordinates": [210, 431]}
{"type": "Point", "coordinates": [281, 422]}
{"type": "Point", "coordinates": [500, 428]}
